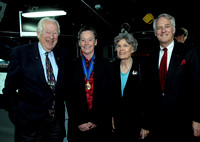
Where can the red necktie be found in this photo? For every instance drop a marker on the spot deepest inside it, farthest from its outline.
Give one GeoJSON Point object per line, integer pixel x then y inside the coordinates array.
{"type": "Point", "coordinates": [163, 69]}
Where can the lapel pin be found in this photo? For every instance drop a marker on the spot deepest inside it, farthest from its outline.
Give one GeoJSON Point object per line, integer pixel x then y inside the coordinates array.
{"type": "Point", "coordinates": [134, 73]}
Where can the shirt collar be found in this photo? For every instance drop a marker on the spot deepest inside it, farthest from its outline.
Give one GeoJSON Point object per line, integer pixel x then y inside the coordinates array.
{"type": "Point", "coordinates": [41, 49]}
{"type": "Point", "coordinates": [169, 47]}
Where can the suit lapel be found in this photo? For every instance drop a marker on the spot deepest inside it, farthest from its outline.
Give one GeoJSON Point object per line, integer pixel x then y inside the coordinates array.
{"type": "Point", "coordinates": [175, 61]}
{"type": "Point", "coordinates": [60, 64]}
{"type": "Point", "coordinates": [36, 60]}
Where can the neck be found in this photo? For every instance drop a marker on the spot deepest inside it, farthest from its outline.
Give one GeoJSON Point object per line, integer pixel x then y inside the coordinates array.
{"type": "Point", "coordinates": [88, 56]}
{"type": "Point", "coordinates": [165, 44]}
{"type": "Point", "coordinates": [125, 65]}
{"type": "Point", "coordinates": [126, 61]}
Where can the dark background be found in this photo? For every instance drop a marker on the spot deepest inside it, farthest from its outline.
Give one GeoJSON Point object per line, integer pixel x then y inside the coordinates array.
{"type": "Point", "coordinates": [107, 20]}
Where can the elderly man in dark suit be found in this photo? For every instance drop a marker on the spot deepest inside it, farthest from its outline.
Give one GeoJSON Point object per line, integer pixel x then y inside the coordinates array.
{"type": "Point", "coordinates": [35, 86]}
{"type": "Point", "coordinates": [175, 86]}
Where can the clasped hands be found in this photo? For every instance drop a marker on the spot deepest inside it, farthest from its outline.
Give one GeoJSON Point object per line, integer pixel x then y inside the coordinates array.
{"type": "Point", "coordinates": [86, 126]}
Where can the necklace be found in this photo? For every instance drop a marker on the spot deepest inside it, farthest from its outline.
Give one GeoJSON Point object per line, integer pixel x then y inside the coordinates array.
{"type": "Point", "coordinates": [127, 67]}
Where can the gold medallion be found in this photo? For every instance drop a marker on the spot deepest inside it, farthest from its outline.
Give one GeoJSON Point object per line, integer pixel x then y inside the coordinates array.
{"type": "Point", "coordinates": [87, 86]}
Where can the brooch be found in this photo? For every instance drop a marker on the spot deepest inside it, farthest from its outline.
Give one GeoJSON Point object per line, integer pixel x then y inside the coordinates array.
{"type": "Point", "coordinates": [134, 73]}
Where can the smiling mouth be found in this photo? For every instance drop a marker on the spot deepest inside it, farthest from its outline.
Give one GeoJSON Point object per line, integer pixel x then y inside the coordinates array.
{"type": "Point", "coordinates": [122, 53]}
{"type": "Point", "coordinates": [86, 47]}
{"type": "Point", "coordinates": [164, 35]}
{"type": "Point", "coordinates": [50, 41]}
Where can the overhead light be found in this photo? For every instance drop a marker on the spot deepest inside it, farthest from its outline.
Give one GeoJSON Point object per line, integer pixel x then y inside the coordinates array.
{"type": "Point", "coordinates": [44, 13]}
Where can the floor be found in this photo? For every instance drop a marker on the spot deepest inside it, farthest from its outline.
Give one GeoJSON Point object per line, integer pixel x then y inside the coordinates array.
{"type": "Point", "coordinates": [6, 127]}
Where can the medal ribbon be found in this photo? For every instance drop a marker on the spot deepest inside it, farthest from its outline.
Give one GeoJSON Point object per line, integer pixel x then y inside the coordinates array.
{"type": "Point", "coordinates": [90, 69]}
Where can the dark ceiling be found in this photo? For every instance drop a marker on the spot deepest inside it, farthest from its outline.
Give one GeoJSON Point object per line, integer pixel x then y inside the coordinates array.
{"type": "Point", "coordinates": [109, 18]}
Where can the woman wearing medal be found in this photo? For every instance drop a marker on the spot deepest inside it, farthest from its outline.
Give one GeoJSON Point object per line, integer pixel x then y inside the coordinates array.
{"type": "Point", "coordinates": [129, 110]}
{"type": "Point", "coordinates": [90, 108]}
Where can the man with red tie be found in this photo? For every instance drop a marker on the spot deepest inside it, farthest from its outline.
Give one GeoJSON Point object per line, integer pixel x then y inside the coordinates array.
{"type": "Point", "coordinates": [174, 85]}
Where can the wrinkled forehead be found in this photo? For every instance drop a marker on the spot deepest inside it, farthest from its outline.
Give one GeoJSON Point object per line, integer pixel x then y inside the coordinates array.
{"type": "Point", "coordinates": [162, 21]}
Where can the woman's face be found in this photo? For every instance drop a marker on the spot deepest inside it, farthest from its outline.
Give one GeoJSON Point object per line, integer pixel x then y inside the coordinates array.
{"type": "Point", "coordinates": [87, 42]}
{"type": "Point", "coordinates": [124, 49]}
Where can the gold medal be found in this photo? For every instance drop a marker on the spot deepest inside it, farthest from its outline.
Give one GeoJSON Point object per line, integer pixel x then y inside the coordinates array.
{"type": "Point", "coordinates": [87, 86]}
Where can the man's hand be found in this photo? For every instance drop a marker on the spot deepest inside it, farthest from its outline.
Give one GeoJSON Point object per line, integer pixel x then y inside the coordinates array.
{"type": "Point", "coordinates": [144, 133]}
{"type": "Point", "coordinates": [196, 128]}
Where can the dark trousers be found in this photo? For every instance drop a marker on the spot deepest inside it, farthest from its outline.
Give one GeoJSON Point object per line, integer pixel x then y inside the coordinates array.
{"type": "Point", "coordinates": [49, 130]}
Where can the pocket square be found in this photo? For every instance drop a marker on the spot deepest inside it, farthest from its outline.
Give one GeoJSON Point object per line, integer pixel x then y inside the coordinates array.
{"type": "Point", "coordinates": [183, 62]}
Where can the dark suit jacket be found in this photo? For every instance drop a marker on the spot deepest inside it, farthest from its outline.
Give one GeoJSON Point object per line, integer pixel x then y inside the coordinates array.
{"type": "Point", "coordinates": [180, 105]}
{"type": "Point", "coordinates": [30, 97]}
{"type": "Point", "coordinates": [101, 109]}
{"type": "Point", "coordinates": [130, 107]}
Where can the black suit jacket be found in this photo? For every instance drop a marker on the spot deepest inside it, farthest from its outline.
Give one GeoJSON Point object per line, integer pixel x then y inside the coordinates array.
{"type": "Point", "coordinates": [129, 109]}
{"type": "Point", "coordinates": [100, 113]}
{"type": "Point", "coordinates": [180, 105]}
{"type": "Point", "coordinates": [30, 97]}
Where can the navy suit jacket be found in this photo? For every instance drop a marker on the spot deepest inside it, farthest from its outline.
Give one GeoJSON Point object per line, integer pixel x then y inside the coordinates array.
{"type": "Point", "coordinates": [30, 97]}
{"type": "Point", "coordinates": [180, 105]}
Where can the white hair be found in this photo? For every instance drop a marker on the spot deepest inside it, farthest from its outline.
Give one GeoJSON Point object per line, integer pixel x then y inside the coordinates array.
{"type": "Point", "coordinates": [43, 20]}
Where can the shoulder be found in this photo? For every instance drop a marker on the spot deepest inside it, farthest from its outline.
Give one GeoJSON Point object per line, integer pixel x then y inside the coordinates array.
{"type": "Point", "coordinates": [60, 50]}
{"type": "Point", "coordinates": [102, 60]}
{"type": "Point", "coordinates": [115, 62]}
{"type": "Point", "coordinates": [23, 49]}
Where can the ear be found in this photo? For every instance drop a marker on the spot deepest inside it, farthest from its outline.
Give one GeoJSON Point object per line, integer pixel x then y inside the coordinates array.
{"type": "Point", "coordinates": [38, 34]}
{"type": "Point", "coordinates": [132, 50]}
{"type": "Point", "coordinates": [174, 30]}
{"type": "Point", "coordinates": [95, 42]}
{"type": "Point", "coordinates": [79, 44]}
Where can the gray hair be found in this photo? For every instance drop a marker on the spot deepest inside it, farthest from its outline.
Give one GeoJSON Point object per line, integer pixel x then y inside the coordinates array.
{"type": "Point", "coordinates": [129, 39]}
{"type": "Point", "coordinates": [40, 25]}
{"type": "Point", "coordinates": [171, 18]}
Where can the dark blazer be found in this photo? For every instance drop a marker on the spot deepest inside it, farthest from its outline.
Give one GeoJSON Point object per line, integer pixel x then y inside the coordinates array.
{"type": "Point", "coordinates": [101, 109]}
{"type": "Point", "coordinates": [130, 107]}
{"type": "Point", "coordinates": [30, 97]}
{"type": "Point", "coordinates": [180, 105]}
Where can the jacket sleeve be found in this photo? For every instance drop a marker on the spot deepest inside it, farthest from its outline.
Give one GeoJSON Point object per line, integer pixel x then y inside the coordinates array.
{"type": "Point", "coordinates": [12, 82]}
{"type": "Point", "coordinates": [195, 80]}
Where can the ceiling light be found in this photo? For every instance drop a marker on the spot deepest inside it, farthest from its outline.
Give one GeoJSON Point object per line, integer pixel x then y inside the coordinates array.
{"type": "Point", "coordinates": [44, 13]}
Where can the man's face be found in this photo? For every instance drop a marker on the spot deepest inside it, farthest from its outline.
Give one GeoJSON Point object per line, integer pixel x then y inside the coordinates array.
{"type": "Point", "coordinates": [164, 31]}
{"type": "Point", "coordinates": [49, 36]}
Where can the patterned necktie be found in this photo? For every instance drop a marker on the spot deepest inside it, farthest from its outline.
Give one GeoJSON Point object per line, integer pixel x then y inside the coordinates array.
{"type": "Point", "coordinates": [163, 69]}
{"type": "Point", "coordinates": [50, 75]}
{"type": "Point", "coordinates": [51, 83]}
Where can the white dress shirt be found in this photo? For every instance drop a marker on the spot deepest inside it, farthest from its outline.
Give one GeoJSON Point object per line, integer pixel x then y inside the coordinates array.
{"type": "Point", "coordinates": [52, 60]}
{"type": "Point", "coordinates": [169, 53]}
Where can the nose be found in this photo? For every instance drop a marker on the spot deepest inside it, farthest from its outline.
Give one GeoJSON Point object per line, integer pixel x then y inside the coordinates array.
{"type": "Point", "coordinates": [163, 29]}
{"type": "Point", "coordinates": [121, 48]}
{"type": "Point", "coordinates": [51, 35]}
{"type": "Point", "coordinates": [86, 42]}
